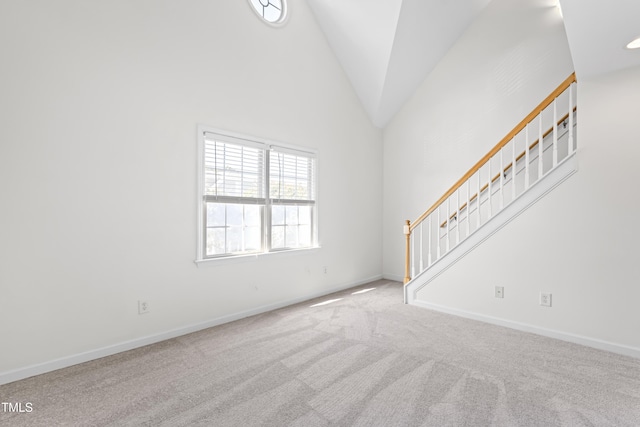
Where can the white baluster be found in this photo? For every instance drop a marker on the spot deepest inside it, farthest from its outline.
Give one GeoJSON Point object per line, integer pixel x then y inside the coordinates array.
{"type": "Point", "coordinates": [570, 142]}
{"type": "Point", "coordinates": [478, 202]}
{"type": "Point", "coordinates": [421, 247]}
{"type": "Point", "coordinates": [413, 255]}
{"type": "Point", "coordinates": [513, 169]}
{"type": "Point", "coordinates": [540, 144]}
{"type": "Point", "coordinates": [489, 190]}
{"type": "Point", "coordinates": [457, 216]}
{"type": "Point", "coordinates": [468, 208]}
{"type": "Point", "coordinates": [429, 250]}
{"type": "Point", "coordinates": [448, 222]}
{"type": "Point", "coordinates": [438, 251]}
{"type": "Point", "coordinates": [526, 156]}
{"type": "Point", "coordinates": [501, 178]}
{"type": "Point", "coordinates": [555, 134]}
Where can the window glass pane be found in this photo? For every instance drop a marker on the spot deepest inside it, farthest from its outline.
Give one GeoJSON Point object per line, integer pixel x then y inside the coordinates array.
{"type": "Point", "coordinates": [292, 215]}
{"type": "Point", "coordinates": [234, 239]}
{"type": "Point", "coordinates": [252, 240]}
{"type": "Point", "coordinates": [215, 214]}
{"type": "Point", "coordinates": [291, 236]}
{"type": "Point", "coordinates": [277, 215]}
{"type": "Point", "coordinates": [304, 214]}
{"type": "Point", "coordinates": [215, 241]}
{"type": "Point", "coordinates": [252, 216]}
{"type": "Point", "coordinates": [277, 237]}
{"type": "Point", "coordinates": [304, 235]}
{"type": "Point", "coordinates": [234, 215]}
{"type": "Point", "coordinates": [233, 228]}
{"type": "Point", "coordinates": [297, 231]}
{"type": "Point", "coordinates": [273, 11]}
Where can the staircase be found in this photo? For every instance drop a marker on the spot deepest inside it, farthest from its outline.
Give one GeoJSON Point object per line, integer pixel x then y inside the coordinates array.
{"type": "Point", "coordinates": [531, 160]}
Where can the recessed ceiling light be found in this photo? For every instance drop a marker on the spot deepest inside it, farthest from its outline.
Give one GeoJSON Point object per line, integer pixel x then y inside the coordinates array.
{"type": "Point", "coordinates": [635, 44]}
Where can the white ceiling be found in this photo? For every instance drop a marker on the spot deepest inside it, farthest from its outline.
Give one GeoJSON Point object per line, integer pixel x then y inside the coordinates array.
{"type": "Point", "coordinates": [598, 32]}
{"type": "Point", "coordinates": [388, 47]}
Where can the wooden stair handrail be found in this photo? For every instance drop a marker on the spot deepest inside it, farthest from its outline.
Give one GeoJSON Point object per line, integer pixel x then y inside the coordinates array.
{"type": "Point", "coordinates": [519, 127]}
{"type": "Point", "coordinates": [507, 167]}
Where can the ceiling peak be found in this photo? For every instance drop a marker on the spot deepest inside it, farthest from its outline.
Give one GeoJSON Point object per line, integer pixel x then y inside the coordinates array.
{"type": "Point", "coordinates": [388, 47]}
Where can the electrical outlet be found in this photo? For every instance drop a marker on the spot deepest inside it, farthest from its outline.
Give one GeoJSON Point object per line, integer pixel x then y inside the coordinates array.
{"type": "Point", "coordinates": [545, 299]}
{"type": "Point", "coordinates": [499, 291]}
{"type": "Point", "coordinates": [325, 269]}
{"type": "Point", "coordinates": [143, 306]}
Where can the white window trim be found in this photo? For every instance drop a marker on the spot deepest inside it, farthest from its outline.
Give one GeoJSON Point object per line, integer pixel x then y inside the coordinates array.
{"type": "Point", "coordinates": [265, 143]}
{"type": "Point", "coordinates": [277, 24]}
{"type": "Point", "coordinates": [237, 259]}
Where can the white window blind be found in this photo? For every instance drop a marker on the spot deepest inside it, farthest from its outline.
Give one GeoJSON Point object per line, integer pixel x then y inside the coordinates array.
{"type": "Point", "coordinates": [291, 176]}
{"type": "Point", "coordinates": [255, 197]}
{"type": "Point", "coordinates": [233, 170]}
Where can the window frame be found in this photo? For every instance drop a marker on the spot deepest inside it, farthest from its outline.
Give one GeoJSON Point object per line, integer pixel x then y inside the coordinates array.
{"type": "Point", "coordinates": [280, 22]}
{"type": "Point", "coordinates": [207, 133]}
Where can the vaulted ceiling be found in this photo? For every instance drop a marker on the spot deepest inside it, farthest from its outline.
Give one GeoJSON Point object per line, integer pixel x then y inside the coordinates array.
{"type": "Point", "coordinates": [598, 32]}
{"type": "Point", "coordinates": [388, 47]}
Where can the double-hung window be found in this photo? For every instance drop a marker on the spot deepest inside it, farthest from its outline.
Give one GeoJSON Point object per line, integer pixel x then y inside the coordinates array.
{"type": "Point", "coordinates": [255, 196]}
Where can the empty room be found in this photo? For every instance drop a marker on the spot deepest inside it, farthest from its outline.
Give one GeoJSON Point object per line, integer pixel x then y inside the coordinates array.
{"type": "Point", "coordinates": [319, 212]}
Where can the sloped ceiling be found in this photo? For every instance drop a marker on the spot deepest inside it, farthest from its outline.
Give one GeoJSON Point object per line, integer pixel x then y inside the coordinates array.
{"type": "Point", "coordinates": [598, 33]}
{"type": "Point", "coordinates": [388, 47]}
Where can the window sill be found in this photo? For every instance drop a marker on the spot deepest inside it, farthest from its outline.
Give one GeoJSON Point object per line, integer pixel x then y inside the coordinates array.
{"type": "Point", "coordinates": [235, 259]}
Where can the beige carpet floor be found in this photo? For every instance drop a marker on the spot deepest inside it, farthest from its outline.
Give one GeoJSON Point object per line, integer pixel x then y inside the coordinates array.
{"type": "Point", "coordinates": [365, 359]}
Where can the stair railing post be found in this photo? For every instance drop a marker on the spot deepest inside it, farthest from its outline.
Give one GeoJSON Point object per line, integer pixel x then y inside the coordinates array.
{"type": "Point", "coordinates": [407, 233]}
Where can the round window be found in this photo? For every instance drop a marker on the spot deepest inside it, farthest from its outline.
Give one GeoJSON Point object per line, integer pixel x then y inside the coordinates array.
{"type": "Point", "coordinates": [271, 11]}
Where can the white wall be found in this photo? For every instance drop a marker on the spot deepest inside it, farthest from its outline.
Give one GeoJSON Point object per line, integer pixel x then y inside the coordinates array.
{"type": "Point", "coordinates": [578, 243]}
{"type": "Point", "coordinates": [99, 107]}
{"type": "Point", "coordinates": [504, 65]}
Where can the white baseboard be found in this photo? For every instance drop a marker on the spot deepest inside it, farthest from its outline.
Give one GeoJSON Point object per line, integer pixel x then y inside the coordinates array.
{"type": "Point", "coordinates": [65, 362]}
{"type": "Point", "coordinates": [563, 336]}
{"type": "Point", "coordinates": [394, 277]}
